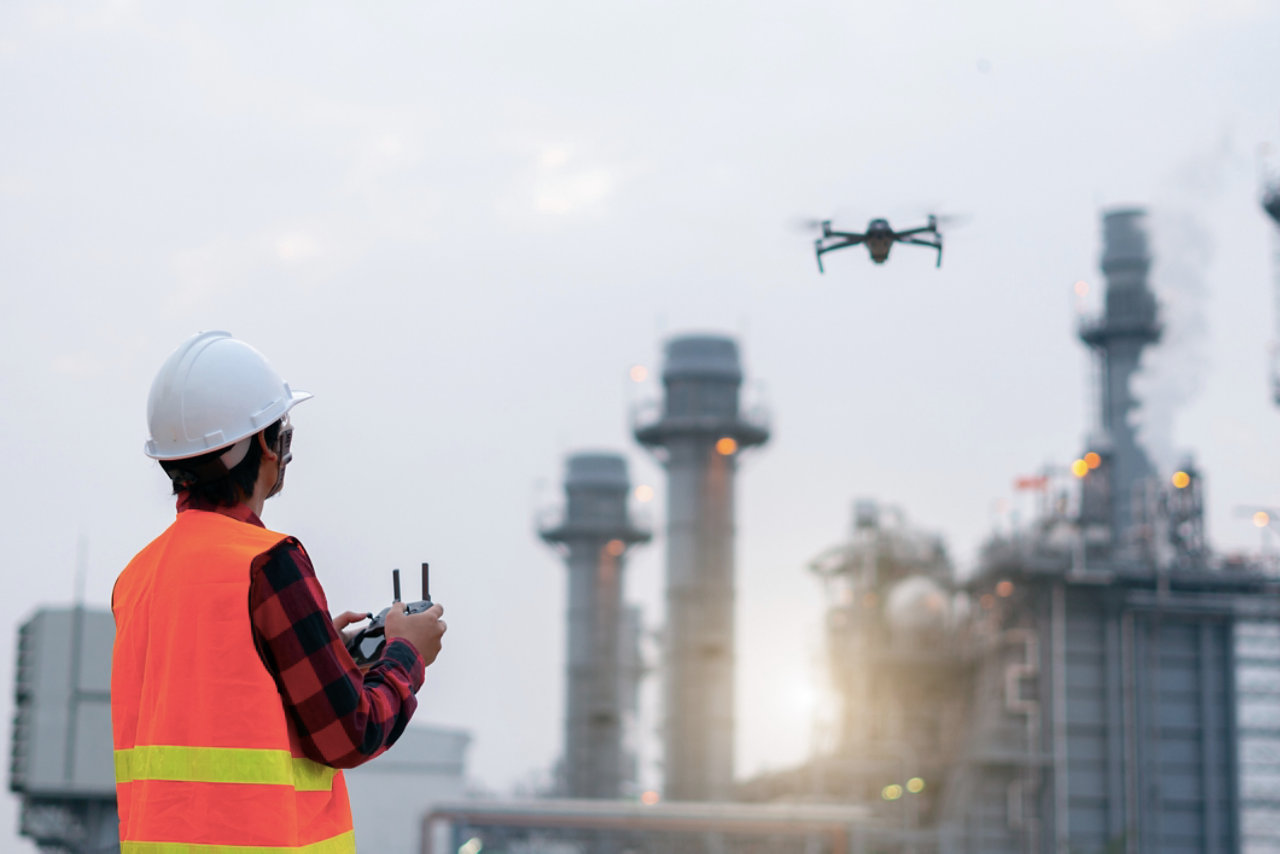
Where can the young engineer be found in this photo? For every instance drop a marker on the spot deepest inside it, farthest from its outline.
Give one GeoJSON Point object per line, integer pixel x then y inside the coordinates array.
{"type": "Point", "coordinates": [234, 701]}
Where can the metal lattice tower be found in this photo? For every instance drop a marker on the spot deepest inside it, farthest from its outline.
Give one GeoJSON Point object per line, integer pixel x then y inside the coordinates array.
{"type": "Point", "coordinates": [595, 532]}
{"type": "Point", "coordinates": [1129, 323]}
{"type": "Point", "coordinates": [698, 437]}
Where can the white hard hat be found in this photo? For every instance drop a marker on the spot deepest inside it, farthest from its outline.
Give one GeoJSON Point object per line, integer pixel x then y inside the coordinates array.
{"type": "Point", "coordinates": [210, 393]}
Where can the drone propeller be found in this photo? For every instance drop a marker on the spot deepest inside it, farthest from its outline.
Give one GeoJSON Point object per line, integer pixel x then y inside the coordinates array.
{"type": "Point", "coordinates": [943, 217]}
{"type": "Point", "coordinates": [951, 220]}
{"type": "Point", "coordinates": [807, 224]}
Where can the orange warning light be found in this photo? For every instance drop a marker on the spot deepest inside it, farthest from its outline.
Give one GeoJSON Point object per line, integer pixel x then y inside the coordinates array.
{"type": "Point", "coordinates": [1181, 480]}
{"type": "Point", "coordinates": [1092, 459]}
{"type": "Point", "coordinates": [727, 446]}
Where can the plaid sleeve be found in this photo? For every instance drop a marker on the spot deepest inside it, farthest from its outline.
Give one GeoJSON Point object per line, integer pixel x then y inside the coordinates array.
{"type": "Point", "coordinates": [344, 717]}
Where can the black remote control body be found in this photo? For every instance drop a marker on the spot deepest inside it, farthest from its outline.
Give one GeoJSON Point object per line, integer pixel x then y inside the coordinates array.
{"type": "Point", "coordinates": [366, 645]}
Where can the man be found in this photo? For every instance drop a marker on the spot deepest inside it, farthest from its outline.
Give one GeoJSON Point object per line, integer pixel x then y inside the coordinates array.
{"type": "Point", "coordinates": [234, 701]}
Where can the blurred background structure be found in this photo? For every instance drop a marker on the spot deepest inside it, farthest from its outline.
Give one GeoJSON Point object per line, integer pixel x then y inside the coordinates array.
{"type": "Point", "coordinates": [594, 533]}
{"type": "Point", "coordinates": [1271, 206]}
{"type": "Point", "coordinates": [698, 436]}
{"type": "Point", "coordinates": [61, 763]}
{"type": "Point", "coordinates": [1103, 682]}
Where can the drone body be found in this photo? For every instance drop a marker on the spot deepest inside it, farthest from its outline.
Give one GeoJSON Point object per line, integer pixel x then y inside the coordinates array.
{"type": "Point", "coordinates": [879, 239]}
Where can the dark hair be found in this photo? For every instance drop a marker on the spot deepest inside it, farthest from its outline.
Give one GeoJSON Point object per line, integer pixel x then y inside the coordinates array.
{"type": "Point", "coordinates": [229, 489]}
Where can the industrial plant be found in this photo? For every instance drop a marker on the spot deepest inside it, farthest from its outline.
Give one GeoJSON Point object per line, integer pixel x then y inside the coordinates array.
{"type": "Point", "coordinates": [1102, 683]}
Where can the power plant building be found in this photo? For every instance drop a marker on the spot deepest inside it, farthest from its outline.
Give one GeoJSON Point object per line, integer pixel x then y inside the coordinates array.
{"type": "Point", "coordinates": [1102, 683]}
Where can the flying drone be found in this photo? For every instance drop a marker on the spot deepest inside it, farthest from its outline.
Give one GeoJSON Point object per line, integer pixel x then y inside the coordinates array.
{"type": "Point", "coordinates": [879, 238]}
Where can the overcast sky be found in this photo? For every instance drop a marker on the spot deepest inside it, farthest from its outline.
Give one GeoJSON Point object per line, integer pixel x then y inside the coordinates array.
{"type": "Point", "coordinates": [459, 225]}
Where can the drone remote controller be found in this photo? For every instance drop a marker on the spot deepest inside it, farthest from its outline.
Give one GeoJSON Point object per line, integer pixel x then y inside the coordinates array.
{"type": "Point", "coordinates": [366, 646]}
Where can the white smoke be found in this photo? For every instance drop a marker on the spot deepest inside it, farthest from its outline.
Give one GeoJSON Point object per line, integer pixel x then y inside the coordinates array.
{"type": "Point", "coordinates": [1173, 371]}
{"type": "Point", "coordinates": [1182, 246]}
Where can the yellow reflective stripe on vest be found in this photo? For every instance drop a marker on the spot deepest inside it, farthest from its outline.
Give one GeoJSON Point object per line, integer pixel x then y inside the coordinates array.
{"type": "Point", "coordinates": [222, 765]}
{"type": "Point", "coordinates": [344, 844]}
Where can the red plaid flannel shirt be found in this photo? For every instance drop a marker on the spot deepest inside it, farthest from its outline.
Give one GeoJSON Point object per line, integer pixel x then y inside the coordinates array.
{"type": "Point", "coordinates": [344, 717]}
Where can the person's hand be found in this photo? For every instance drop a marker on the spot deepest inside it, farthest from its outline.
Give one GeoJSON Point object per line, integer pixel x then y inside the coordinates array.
{"type": "Point", "coordinates": [345, 619]}
{"type": "Point", "coordinates": [423, 630]}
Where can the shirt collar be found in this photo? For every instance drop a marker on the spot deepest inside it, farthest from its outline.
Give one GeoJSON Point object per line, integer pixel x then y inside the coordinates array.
{"type": "Point", "coordinates": [240, 512]}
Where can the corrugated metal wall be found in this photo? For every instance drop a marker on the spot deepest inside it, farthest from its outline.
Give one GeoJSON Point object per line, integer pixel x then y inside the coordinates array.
{"type": "Point", "coordinates": [1148, 730]}
{"type": "Point", "coordinates": [1257, 646]}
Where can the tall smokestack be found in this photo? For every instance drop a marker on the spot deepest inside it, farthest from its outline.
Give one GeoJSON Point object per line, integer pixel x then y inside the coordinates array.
{"type": "Point", "coordinates": [1129, 323]}
{"type": "Point", "coordinates": [698, 437]}
{"type": "Point", "coordinates": [594, 534]}
{"type": "Point", "coordinates": [1271, 206]}
{"type": "Point", "coordinates": [1271, 202]}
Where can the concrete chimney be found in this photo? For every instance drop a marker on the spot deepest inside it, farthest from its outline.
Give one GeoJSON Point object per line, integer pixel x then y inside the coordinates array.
{"type": "Point", "coordinates": [594, 535]}
{"type": "Point", "coordinates": [1129, 324]}
{"type": "Point", "coordinates": [698, 437]}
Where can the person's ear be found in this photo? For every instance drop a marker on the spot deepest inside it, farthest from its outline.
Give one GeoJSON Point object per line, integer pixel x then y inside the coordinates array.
{"type": "Point", "coordinates": [267, 453]}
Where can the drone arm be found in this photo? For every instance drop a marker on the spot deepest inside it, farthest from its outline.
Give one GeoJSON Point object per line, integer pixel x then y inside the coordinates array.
{"type": "Point", "coordinates": [845, 240]}
{"type": "Point", "coordinates": [932, 244]}
{"type": "Point", "coordinates": [921, 230]}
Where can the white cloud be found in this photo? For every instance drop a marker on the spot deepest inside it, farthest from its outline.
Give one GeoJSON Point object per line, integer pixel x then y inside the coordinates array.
{"type": "Point", "coordinates": [381, 156]}
{"type": "Point", "coordinates": [568, 191]}
{"type": "Point", "coordinates": [1168, 19]}
{"type": "Point", "coordinates": [297, 246]}
{"type": "Point", "coordinates": [80, 365]}
{"type": "Point", "coordinates": [560, 183]}
{"type": "Point", "coordinates": [554, 157]}
{"type": "Point", "coordinates": [102, 16]}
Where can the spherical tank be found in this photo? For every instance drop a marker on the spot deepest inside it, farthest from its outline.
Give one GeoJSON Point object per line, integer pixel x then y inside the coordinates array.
{"type": "Point", "coordinates": [918, 609]}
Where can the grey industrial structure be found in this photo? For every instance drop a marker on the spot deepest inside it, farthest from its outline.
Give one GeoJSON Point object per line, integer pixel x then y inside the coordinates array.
{"type": "Point", "coordinates": [594, 532]}
{"type": "Point", "coordinates": [1128, 325]}
{"type": "Point", "coordinates": [1271, 206]}
{"type": "Point", "coordinates": [61, 764]}
{"type": "Point", "coordinates": [697, 437]}
{"type": "Point", "coordinates": [1103, 682]}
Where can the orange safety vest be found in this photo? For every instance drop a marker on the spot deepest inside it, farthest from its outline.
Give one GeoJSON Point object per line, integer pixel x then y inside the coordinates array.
{"type": "Point", "coordinates": [207, 761]}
